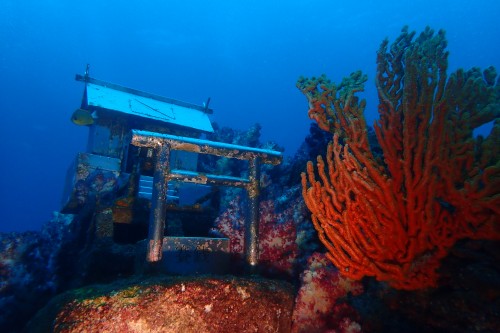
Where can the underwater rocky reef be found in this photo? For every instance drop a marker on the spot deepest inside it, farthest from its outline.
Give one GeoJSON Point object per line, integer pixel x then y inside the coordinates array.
{"type": "Point", "coordinates": [395, 228]}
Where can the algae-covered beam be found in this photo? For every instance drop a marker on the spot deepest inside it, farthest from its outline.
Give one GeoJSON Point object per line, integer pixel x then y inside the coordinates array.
{"type": "Point", "coordinates": [151, 139]}
{"type": "Point", "coordinates": [207, 179]}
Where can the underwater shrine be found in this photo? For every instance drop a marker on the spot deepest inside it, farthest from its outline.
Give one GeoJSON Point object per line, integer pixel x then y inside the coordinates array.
{"type": "Point", "coordinates": [151, 144]}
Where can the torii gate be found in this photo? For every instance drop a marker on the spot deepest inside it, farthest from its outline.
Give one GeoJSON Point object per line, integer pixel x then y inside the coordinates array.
{"type": "Point", "coordinates": [163, 144]}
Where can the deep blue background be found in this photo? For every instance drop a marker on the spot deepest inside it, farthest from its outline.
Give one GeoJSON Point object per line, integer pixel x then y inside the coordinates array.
{"type": "Point", "coordinates": [245, 55]}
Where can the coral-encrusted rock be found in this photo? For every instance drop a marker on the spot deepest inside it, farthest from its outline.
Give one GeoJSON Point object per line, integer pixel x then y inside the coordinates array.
{"type": "Point", "coordinates": [466, 300]}
{"type": "Point", "coordinates": [320, 305]}
{"type": "Point", "coordinates": [168, 304]}
{"type": "Point", "coordinates": [278, 250]}
{"type": "Point", "coordinates": [29, 267]}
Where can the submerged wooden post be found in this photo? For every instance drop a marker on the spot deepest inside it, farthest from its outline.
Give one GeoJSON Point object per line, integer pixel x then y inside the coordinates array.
{"type": "Point", "coordinates": [158, 203]}
{"type": "Point", "coordinates": [253, 216]}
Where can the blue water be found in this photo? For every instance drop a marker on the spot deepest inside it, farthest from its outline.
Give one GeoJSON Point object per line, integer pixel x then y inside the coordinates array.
{"type": "Point", "coordinates": [245, 55]}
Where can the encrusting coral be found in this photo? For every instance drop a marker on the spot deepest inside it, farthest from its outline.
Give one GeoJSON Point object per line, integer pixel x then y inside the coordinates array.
{"type": "Point", "coordinates": [396, 219]}
{"type": "Point", "coordinates": [320, 304]}
{"type": "Point", "coordinates": [278, 250]}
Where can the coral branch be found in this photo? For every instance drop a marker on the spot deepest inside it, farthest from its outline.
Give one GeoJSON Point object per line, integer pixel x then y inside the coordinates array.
{"type": "Point", "coordinates": [395, 220]}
